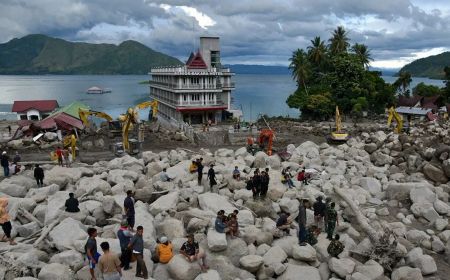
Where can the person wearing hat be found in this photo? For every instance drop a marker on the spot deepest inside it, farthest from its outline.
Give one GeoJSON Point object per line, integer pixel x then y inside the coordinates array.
{"type": "Point", "coordinates": [164, 250]}
{"type": "Point", "coordinates": [124, 236]}
{"type": "Point", "coordinates": [128, 205]}
{"type": "Point", "coordinates": [5, 164]}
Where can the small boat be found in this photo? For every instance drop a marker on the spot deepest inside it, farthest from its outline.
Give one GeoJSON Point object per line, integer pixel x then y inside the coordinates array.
{"type": "Point", "coordinates": [97, 90]}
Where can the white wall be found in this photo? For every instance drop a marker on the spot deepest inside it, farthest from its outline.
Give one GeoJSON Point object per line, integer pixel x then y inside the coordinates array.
{"type": "Point", "coordinates": [33, 113]}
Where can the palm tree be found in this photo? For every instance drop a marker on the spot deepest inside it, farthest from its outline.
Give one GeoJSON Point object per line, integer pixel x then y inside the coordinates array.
{"type": "Point", "coordinates": [339, 40]}
{"type": "Point", "coordinates": [317, 51]}
{"type": "Point", "coordinates": [403, 82]}
{"type": "Point", "coordinates": [362, 52]}
{"type": "Point", "coordinates": [300, 67]}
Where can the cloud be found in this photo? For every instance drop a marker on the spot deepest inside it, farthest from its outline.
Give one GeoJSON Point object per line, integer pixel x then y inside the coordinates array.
{"type": "Point", "coordinates": [263, 31]}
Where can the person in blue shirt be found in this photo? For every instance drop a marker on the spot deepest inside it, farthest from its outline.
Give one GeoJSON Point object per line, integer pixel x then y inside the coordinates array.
{"type": "Point", "coordinates": [220, 224]}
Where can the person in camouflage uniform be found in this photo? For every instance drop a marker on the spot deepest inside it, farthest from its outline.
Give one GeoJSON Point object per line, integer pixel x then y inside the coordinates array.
{"type": "Point", "coordinates": [336, 247]}
{"type": "Point", "coordinates": [332, 219]}
{"type": "Point", "coordinates": [325, 218]}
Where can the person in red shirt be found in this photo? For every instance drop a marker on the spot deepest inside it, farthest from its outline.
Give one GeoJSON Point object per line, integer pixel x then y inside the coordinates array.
{"type": "Point", "coordinates": [303, 177]}
{"type": "Point", "coordinates": [59, 154]}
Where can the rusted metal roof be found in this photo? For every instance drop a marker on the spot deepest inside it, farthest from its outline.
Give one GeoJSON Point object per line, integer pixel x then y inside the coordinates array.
{"type": "Point", "coordinates": [61, 121]}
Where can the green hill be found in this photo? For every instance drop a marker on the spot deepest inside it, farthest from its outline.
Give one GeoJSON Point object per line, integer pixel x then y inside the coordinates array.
{"type": "Point", "coordinates": [431, 67]}
{"type": "Point", "coordinates": [40, 54]}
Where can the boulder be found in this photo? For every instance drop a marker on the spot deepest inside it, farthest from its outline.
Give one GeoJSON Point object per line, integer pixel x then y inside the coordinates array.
{"type": "Point", "coordinates": [304, 253]}
{"type": "Point", "coordinates": [372, 185]}
{"type": "Point", "coordinates": [341, 267]}
{"type": "Point", "coordinates": [421, 194]}
{"type": "Point", "coordinates": [88, 186]}
{"type": "Point", "coordinates": [434, 173]}
{"type": "Point", "coordinates": [27, 230]}
{"type": "Point", "coordinates": [371, 270]}
{"type": "Point", "coordinates": [55, 204]}
{"type": "Point", "coordinates": [425, 263]}
{"type": "Point", "coordinates": [209, 275]}
{"type": "Point", "coordinates": [370, 148]}
{"type": "Point", "coordinates": [164, 203]}
{"type": "Point", "coordinates": [261, 159]}
{"type": "Point", "coordinates": [216, 241]}
{"type": "Point", "coordinates": [406, 273]}
{"type": "Point", "coordinates": [440, 224]}
{"type": "Point", "coordinates": [401, 191]}
{"type": "Point", "coordinates": [171, 228]}
{"type": "Point", "coordinates": [274, 255]}
{"type": "Point", "coordinates": [251, 263]}
{"type": "Point", "coordinates": [71, 258]}
{"type": "Point", "coordinates": [180, 269]}
{"type": "Point", "coordinates": [380, 159]}
{"type": "Point", "coordinates": [299, 271]}
{"type": "Point", "coordinates": [67, 232]}
{"type": "Point", "coordinates": [213, 202]}
{"type": "Point", "coordinates": [54, 271]}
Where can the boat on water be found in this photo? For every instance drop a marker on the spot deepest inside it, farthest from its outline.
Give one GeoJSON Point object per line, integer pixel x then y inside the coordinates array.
{"type": "Point", "coordinates": [97, 90]}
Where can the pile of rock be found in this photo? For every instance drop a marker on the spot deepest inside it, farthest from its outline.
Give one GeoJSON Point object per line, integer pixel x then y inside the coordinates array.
{"type": "Point", "coordinates": [379, 181]}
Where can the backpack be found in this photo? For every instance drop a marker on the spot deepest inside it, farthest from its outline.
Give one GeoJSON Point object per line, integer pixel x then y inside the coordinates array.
{"type": "Point", "coordinates": [249, 185]}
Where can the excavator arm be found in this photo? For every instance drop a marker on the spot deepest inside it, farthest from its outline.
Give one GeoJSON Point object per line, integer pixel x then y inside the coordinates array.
{"type": "Point", "coordinates": [84, 114]}
{"type": "Point", "coordinates": [394, 115]}
{"type": "Point", "coordinates": [153, 104]}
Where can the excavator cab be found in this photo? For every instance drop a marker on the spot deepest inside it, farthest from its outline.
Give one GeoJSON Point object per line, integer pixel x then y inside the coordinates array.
{"type": "Point", "coordinates": [338, 136]}
{"type": "Point", "coordinates": [266, 140]}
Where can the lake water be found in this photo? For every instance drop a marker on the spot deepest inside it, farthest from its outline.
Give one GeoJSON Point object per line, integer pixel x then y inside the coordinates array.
{"type": "Point", "coordinates": [254, 94]}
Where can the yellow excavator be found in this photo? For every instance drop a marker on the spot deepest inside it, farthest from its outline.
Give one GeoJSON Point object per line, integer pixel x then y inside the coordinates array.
{"type": "Point", "coordinates": [394, 115]}
{"type": "Point", "coordinates": [130, 119]}
{"type": "Point", "coordinates": [70, 141]}
{"type": "Point", "coordinates": [338, 136]}
{"type": "Point", "coordinates": [84, 114]}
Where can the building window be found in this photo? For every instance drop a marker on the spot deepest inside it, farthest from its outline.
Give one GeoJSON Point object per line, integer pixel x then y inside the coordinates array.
{"type": "Point", "coordinates": [185, 97]}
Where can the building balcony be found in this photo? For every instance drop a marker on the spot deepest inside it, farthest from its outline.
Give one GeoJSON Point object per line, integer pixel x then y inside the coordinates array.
{"type": "Point", "coordinates": [226, 85]}
{"type": "Point", "coordinates": [183, 70]}
{"type": "Point", "coordinates": [189, 87]}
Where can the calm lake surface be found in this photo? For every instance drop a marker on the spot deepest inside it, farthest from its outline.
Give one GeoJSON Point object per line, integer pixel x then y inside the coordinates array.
{"type": "Point", "coordinates": [254, 93]}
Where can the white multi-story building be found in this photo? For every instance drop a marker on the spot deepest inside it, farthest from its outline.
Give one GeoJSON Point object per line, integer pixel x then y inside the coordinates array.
{"type": "Point", "coordinates": [194, 93]}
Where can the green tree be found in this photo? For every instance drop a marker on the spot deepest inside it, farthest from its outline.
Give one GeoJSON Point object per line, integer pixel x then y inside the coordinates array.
{"type": "Point", "coordinates": [317, 51]}
{"type": "Point", "coordinates": [402, 83]}
{"type": "Point", "coordinates": [301, 68]}
{"type": "Point", "coordinates": [339, 42]}
{"type": "Point", "coordinates": [446, 89]}
{"type": "Point", "coordinates": [426, 90]}
{"type": "Point", "coordinates": [320, 106]}
{"type": "Point", "coordinates": [362, 53]}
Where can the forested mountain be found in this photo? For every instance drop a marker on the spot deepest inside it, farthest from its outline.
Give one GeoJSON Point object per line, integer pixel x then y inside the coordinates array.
{"type": "Point", "coordinates": [40, 54]}
{"type": "Point", "coordinates": [431, 67]}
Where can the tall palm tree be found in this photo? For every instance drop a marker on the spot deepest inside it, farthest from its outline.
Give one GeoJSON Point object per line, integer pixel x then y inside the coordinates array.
{"type": "Point", "coordinates": [363, 54]}
{"type": "Point", "coordinates": [300, 67]}
{"type": "Point", "coordinates": [403, 81]}
{"type": "Point", "coordinates": [339, 40]}
{"type": "Point", "coordinates": [317, 51]}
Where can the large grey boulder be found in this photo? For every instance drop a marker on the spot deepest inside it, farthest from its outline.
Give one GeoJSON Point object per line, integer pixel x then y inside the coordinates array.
{"type": "Point", "coordinates": [298, 271]}
{"type": "Point", "coordinates": [261, 159]}
{"type": "Point", "coordinates": [71, 258]}
{"type": "Point", "coordinates": [406, 273]}
{"type": "Point", "coordinates": [54, 271]}
{"type": "Point", "coordinates": [401, 191]}
{"type": "Point", "coordinates": [216, 241]}
{"type": "Point", "coordinates": [421, 194]}
{"type": "Point", "coordinates": [180, 269]}
{"type": "Point", "coordinates": [425, 263]}
{"type": "Point", "coordinates": [171, 228]}
{"type": "Point", "coordinates": [55, 205]}
{"type": "Point", "coordinates": [209, 275]}
{"type": "Point", "coordinates": [304, 253]}
{"type": "Point", "coordinates": [274, 255]}
{"type": "Point", "coordinates": [434, 173]}
{"type": "Point", "coordinates": [370, 184]}
{"type": "Point", "coordinates": [66, 233]}
{"type": "Point", "coordinates": [87, 186]}
{"type": "Point", "coordinates": [27, 230]}
{"type": "Point", "coordinates": [164, 203]}
{"type": "Point", "coordinates": [380, 159]}
{"type": "Point", "coordinates": [251, 263]}
{"type": "Point", "coordinates": [341, 267]}
{"type": "Point", "coordinates": [371, 270]}
{"type": "Point", "coordinates": [214, 202]}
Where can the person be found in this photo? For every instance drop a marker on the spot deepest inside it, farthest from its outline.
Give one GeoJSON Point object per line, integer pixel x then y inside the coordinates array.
{"type": "Point", "coordinates": [90, 248]}
{"type": "Point", "coordinates": [284, 223]}
{"type": "Point", "coordinates": [66, 157]}
{"type": "Point", "coordinates": [265, 179]}
{"type": "Point", "coordinates": [59, 154]}
{"type": "Point", "coordinates": [164, 250]}
{"type": "Point", "coordinates": [236, 174]}
{"type": "Point", "coordinates": [128, 205]}
{"type": "Point", "coordinates": [39, 175]}
{"type": "Point", "coordinates": [16, 158]}
{"type": "Point", "coordinates": [212, 176]}
{"type": "Point", "coordinates": [288, 177]}
{"type": "Point", "coordinates": [302, 177]}
{"type": "Point", "coordinates": [319, 211]}
{"type": "Point", "coordinates": [220, 224]}
{"type": "Point", "coordinates": [332, 219]}
{"type": "Point", "coordinates": [335, 247]}
{"type": "Point", "coordinates": [5, 164]}
{"type": "Point", "coordinates": [233, 226]}
{"type": "Point", "coordinates": [109, 264]}
{"type": "Point", "coordinates": [302, 221]}
{"type": "Point", "coordinates": [193, 167]}
{"type": "Point", "coordinates": [311, 235]}
{"type": "Point", "coordinates": [325, 218]}
{"type": "Point", "coordinates": [164, 176]}
{"type": "Point", "coordinates": [9, 130]}
{"type": "Point", "coordinates": [72, 204]}
{"type": "Point", "coordinates": [137, 245]}
{"type": "Point", "coordinates": [256, 184]}
{"type": "Point", "coordinates": [5, 221]}
{"type": "Point", "coordinates": [124, 236]}
{"type": "Point", "coordinates": [199, 171]}
{"type": "Point", "coordinates": [191, 251]}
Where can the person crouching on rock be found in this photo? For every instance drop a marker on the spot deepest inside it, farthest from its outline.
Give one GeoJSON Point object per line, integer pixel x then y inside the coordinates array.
{"type": "Point", "coordinates": [220, 224]}
{"type": "Point", "coordinates": [5, 221]}
{"type": "Point", "coordinates": [233, 226]}
{"type": "Point", "coordinates": [193, 167]}
{"type": "Point", "coordinates": [335, 247]}
{"type": "Point", "coordinates": [72, 204]}
{"type": "Point", "coordinates": [191, 251]}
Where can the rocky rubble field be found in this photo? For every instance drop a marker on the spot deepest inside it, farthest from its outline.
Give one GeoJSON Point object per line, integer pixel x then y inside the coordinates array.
{"type": "Point", "coordinates": [391, 193]}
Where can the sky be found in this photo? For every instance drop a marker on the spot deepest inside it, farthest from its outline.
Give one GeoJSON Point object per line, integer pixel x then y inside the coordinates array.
{"type": "Point", "coordinates": [251, 31]}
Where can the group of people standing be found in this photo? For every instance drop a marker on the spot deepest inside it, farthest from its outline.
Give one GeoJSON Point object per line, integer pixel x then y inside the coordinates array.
{"type": "Point", "coordinates": [259, 183]}
{"type": "Point", "coordinates": [64, 157]}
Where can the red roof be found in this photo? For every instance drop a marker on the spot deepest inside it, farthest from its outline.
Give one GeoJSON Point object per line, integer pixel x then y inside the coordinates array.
{"type": "Point", "coordinates": [61, 121]}
{"type": "Point", "coordinates": [40, 105]}
{"type": "Point", "coordinates": [196, 61]}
